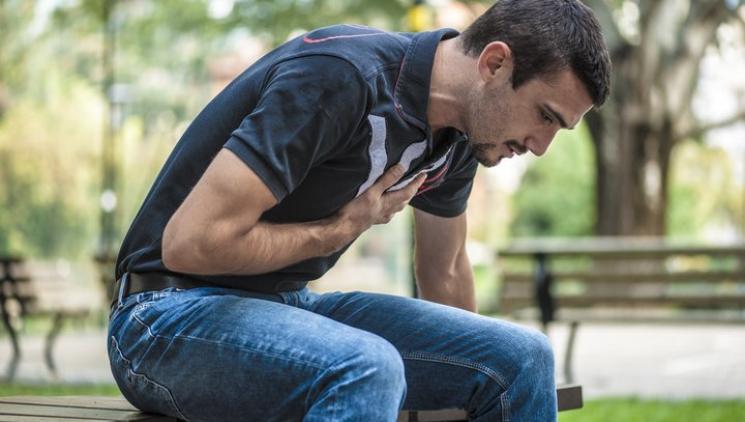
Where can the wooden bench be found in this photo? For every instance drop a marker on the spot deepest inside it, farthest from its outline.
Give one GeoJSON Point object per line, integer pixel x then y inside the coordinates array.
{"type": "Point", "coordinates": [45, 291]}
{"type": "Point", "coordinates": [81, 408]}
{"type": "Point", "coordinates": [106, 266]}
{"type": "Point", "coordinates": [621, 280]}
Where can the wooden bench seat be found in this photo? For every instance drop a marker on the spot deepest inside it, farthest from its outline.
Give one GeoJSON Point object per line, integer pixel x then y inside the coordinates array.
{"type": "Point", "coordinates": [39, 289]}
{"type": "Point", "coordinates": [84, 408]}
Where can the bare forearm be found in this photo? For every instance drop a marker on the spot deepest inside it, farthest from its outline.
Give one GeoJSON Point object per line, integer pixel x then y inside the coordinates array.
{"type": "Point", "coordinates": [265, 247]}
{"type": "Point", "coordinates": [268, 247]}
{"type": "Point", "coordinates": [453, 288]}
{"type": "Point", "coordinates": [455, 292]}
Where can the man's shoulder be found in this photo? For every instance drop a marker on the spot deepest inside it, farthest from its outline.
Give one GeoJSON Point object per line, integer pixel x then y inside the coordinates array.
{"type": "Point", "coordinates": [349, 34]}
{"type": "Point", "coordinates": [366, 49]}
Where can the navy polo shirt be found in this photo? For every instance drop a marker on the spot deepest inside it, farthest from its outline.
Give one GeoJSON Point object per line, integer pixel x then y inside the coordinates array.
{"type": "Point", "coordinates": [318, 119]}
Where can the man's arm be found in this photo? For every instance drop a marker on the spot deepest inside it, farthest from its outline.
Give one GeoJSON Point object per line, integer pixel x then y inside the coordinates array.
{"type": "Point", "coordinates": [217, 229]}
{"type": "Point", "coordinates": [443, 271]}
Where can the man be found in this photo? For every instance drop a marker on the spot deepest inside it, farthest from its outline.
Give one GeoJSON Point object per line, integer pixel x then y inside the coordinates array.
{"type": "Point", "coordinates": [323, 137]}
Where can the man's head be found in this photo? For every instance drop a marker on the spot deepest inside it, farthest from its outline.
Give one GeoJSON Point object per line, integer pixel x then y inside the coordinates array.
{"type": "Point", "coordinates": [541, 65]}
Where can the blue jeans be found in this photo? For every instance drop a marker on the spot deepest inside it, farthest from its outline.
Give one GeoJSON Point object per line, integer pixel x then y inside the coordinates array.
{"type": "Point", "coordinates": [220, 354]}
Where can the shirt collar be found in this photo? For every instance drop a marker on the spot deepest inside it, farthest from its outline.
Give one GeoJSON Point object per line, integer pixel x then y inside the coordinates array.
{"type": "Point", "coordinates": [411, 92]}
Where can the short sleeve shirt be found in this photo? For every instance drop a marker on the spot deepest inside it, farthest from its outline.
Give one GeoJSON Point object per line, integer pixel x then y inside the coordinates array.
{"type": "Point", "coordinates": [318, 119]}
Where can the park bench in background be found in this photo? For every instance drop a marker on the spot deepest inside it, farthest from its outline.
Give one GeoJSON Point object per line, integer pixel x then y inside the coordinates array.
{"type": "Point", "coordinates": [621, 280]}
{"type": "Point", "coordinates": [79, 408]}
{"type": "Point", "coordinates": [105, 264]}
{"type": "Point", "coordinates": [40, 289]}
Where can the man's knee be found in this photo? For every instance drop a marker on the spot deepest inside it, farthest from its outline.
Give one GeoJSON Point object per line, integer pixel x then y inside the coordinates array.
{"type": "Point", "coordinates": [368, 377]}
{"type": "Point", "coordinates": [539, 355]}
{"type": "Point", "coordinates": [524, 352]}
{"type": "Point", "coordinates": [377, 358]}
{"type": "Point", "coordinates": [371, 361]}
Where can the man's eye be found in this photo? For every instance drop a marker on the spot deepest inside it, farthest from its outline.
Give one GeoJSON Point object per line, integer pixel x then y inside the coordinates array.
{"type": "Point", "coordinates": [546, 117]}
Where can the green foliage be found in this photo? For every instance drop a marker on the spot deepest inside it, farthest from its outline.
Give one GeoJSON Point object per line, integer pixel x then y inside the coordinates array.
{"type": "Point", "coordinates": [702, 191]}
{"type": "Point", "coordinates": [556, 196]}
{"type": "Point", "coordinates": [52, 102]}
{"type": "Point", "coordinates": [14, 47]}
{"type": "Point", "coordinates": [52, 114]}
{"type": "Point", "coordinates": [278, 19]}
{"type": "Point", "coordinates": [47, 172]}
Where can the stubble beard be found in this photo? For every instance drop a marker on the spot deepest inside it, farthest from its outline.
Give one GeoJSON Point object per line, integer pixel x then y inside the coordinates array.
{"type": "Point", "coordinates": [480, 108]}
{"type": "Point", "coordinates": [481, 154]}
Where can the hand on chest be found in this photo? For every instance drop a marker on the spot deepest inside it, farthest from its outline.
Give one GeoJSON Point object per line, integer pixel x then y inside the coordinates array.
{"type": "Point", "coordinates": [349, 173]}
{"type": "Point", "coordinates": [385, 151]}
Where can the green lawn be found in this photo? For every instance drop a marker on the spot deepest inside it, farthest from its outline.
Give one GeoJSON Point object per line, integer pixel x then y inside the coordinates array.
{"type": "Point", "coordinates": [58, 389]}
{"type": "Point", "coordinates": [635, 410]}
{"type": "Point", "coordinates": [604, 410]}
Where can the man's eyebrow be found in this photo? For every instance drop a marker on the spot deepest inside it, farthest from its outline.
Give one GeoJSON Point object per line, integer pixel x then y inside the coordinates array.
{"type": "Point", "coordinates": [557, 116]}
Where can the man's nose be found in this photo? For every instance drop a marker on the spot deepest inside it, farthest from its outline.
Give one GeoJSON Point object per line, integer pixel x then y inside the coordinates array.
{"type": "Point", "coordinates": [539, 144]}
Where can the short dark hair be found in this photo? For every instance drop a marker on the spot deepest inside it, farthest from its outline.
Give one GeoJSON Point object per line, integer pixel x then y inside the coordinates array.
{"type": "Point", "coordinates": [546, 36]}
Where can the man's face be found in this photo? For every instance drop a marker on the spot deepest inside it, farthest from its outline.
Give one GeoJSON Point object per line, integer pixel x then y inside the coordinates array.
{"type": "Point", "coordinates": [502, 122]}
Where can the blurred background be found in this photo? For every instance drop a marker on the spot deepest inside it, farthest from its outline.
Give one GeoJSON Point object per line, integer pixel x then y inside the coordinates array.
{"type": "Point", "coordinates": [95, 93]}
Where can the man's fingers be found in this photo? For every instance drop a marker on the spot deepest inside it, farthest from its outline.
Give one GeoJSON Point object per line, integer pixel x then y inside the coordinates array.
{"type": "Point", "coordinates": [389, 178]}
{"type": "Point", "coordinates": [417, 183]}
{"type": "Point", "coordinates": [407, 192]}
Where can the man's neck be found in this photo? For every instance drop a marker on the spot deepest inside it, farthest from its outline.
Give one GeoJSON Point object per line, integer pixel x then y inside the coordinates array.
{"type": "Point", "coordinates": [448, 90]}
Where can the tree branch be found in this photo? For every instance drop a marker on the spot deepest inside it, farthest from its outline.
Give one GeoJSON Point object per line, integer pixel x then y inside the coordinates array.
{"type": "Point", "coordinates": [681, 78]}
{"type": "Point", "coordinates": [700, 130]}
{"type": "Point", "coordinates": [681, 73]}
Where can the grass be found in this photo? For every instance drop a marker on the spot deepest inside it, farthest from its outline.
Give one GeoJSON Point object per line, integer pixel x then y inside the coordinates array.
{"type": "Point", "coordinates": [638, 410]}
{"type": "Point", "coordinates": [19, 389]}
{"type": "Point", "coordinates": [602, 410]}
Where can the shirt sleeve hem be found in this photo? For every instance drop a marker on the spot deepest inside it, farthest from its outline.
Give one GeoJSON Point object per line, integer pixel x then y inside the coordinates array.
{"type": "Point", "coordinates": [253, 161]}
{"type": "Point", "coordinates": [438, 211]}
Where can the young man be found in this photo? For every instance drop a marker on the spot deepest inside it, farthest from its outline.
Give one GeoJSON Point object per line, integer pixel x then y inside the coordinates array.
{"type": "Point", "coordinates": [323, 137]}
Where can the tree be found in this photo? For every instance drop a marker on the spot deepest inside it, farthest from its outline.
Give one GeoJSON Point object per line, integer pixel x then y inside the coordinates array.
{"type": "Point", "coordinates": [54, 73]}
{"type": "Point", "coordinates": [555, 199]}
{"type": "Point", "coordinates": [14, 43]}
{"type": "Point", "coordinates": [656, 72]}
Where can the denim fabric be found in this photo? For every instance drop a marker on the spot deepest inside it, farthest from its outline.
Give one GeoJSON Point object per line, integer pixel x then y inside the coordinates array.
{"type": "Point", "coordinates": [220, 354]}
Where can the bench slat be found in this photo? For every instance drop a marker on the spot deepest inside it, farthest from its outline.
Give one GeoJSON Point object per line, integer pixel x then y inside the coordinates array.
{"type": "Point", "coordinates": [681, 301]}
{"type": "Point", "coordinates": [85, 402]}
{"type": "Point", "coordinates": [614, 248]}
{"type": "Point", "coordinates": [600, 300]}
{"type": "Point", "coordinates": [75, 408]}
{"type": "Point", "coordinates": [633, 277]}
{"type": "Point", "coordinates": [447, 415]}
{"type": "Point", "coordinates": [72, 412]}
{"type": "Point", "coordinates": [25, 418]}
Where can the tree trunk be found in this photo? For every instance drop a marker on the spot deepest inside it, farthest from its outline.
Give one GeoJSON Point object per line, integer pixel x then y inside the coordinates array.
{"type": "Point", "coordinates": [632, 164]}
{"type": "Point", "coordinates": [654, 80]}
{"type": "Point", "coordinates": [632, 155]}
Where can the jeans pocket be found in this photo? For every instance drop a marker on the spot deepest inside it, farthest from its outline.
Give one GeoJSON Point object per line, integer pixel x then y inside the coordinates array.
{"type": "Point", "coordinates": [140, 390]}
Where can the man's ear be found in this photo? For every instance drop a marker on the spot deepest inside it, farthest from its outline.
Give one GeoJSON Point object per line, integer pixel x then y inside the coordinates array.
{"type": "Point", "coordinates": [495, 61]}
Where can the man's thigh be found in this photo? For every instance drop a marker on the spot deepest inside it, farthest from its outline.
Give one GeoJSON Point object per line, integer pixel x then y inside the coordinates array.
{"type": "Point", "coordinates": [200, 355]}
{"type": "Point", "coordinates": [453, 358]}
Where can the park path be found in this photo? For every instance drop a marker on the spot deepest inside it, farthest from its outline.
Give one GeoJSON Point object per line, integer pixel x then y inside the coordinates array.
{"type": "Point", "coordinates": [659, 361]}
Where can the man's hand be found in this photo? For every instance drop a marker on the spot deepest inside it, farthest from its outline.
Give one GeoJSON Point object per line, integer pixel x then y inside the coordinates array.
{"type": "Point", "coordinates": [376, 206]}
